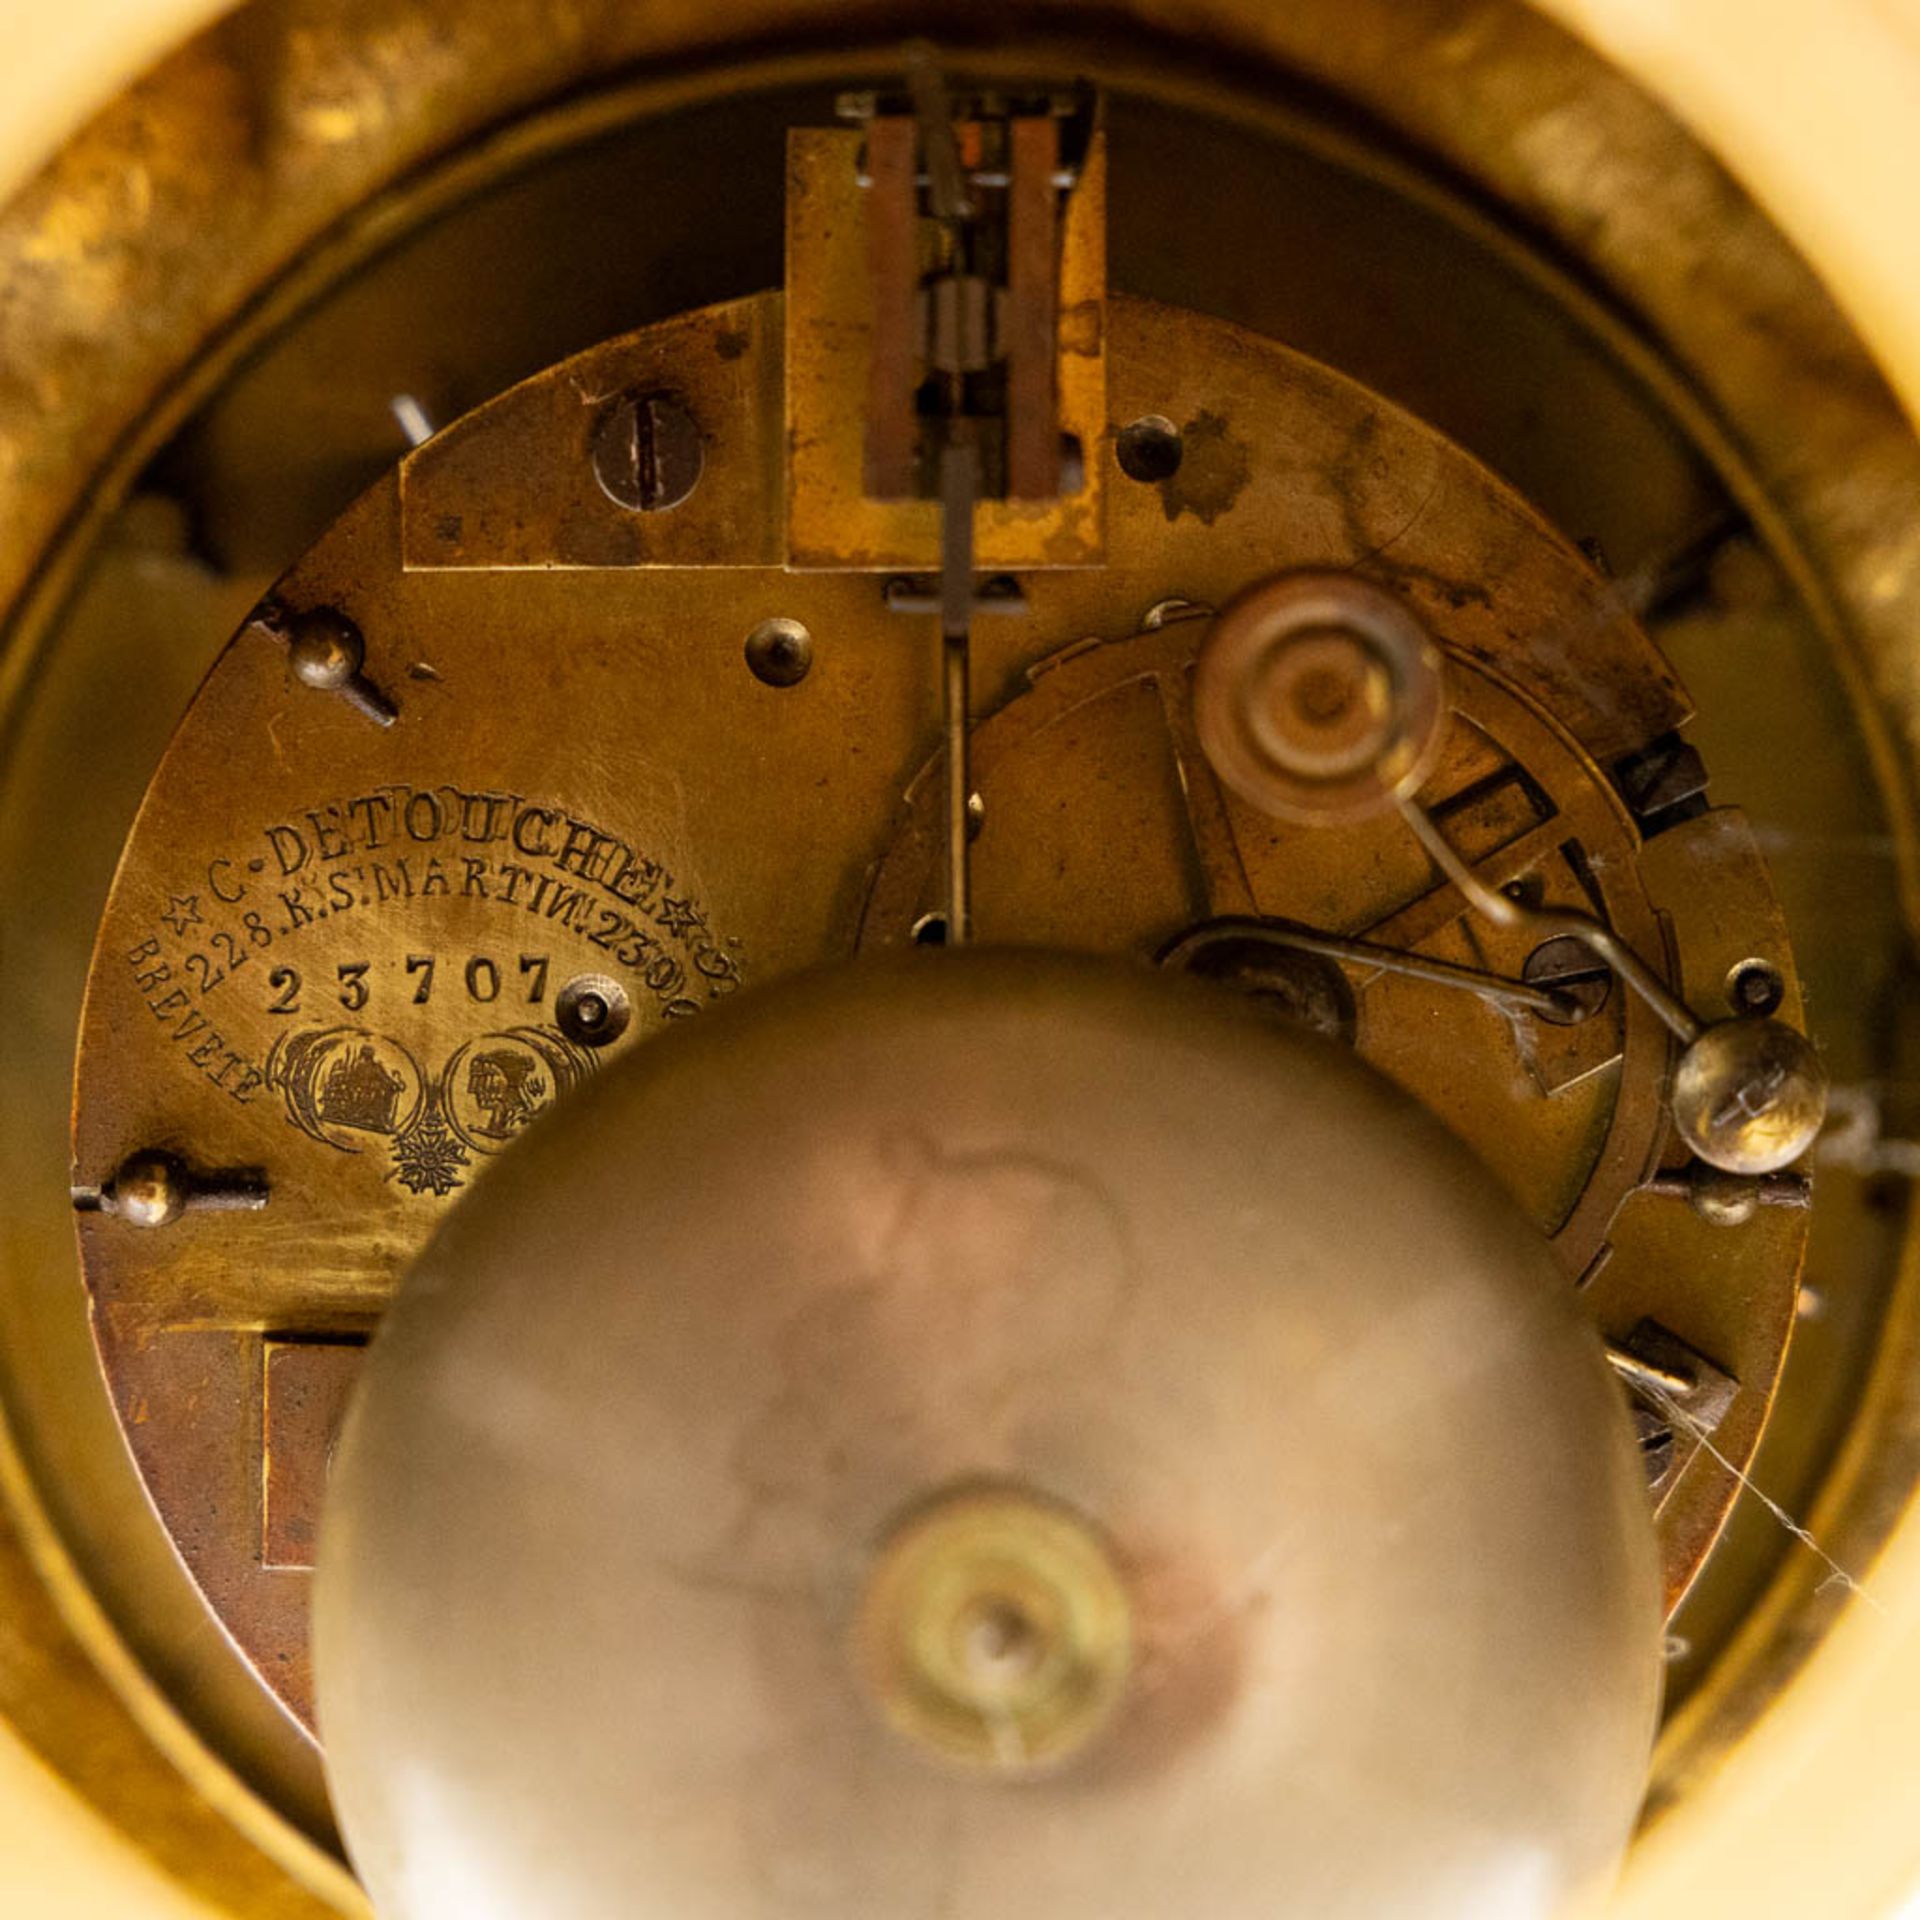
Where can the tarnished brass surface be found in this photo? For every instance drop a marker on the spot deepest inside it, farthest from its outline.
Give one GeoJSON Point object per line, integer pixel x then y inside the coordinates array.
{"type": "Point", "coordinates": [633, 1458]}
{"type": "Point", "coordinates": [1569, 1117]}
{"type": "Point", "coordinates": [335, 951]}
{"type": "Point", "coordinates": [832, 521]}
{"type": "Point", "coordinates": [513, 484]}
{"type": "Point", "coordinates": [254, 142]}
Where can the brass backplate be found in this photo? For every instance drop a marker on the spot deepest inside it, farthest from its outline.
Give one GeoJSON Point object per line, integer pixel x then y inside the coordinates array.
{"type": "Point", "coordinates": [334, 951]}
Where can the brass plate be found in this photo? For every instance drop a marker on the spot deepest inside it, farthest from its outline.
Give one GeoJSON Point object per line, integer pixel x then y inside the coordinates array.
{"type": "Point", "coordinates": [269, 136]}
{"type": "Point", "coordinates": [333, 950]}
{"type": "Point", "coordinates": [470, 498]}
{"type": "Point", "coordinates": [831, 520]}
{"type": "Point", "coordinates": [1103, 824]}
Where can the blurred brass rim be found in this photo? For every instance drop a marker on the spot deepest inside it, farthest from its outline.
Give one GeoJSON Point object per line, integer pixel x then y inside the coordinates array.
{"type": "Point", "coordinates": [995, 1630]}
{"type": "Point", "coordinates": [337, 198]}
{"type": "Point", "coordinates": [1360, 632]}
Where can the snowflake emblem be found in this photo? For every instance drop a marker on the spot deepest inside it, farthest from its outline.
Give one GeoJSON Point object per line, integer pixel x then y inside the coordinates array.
{"type": "Point", "coordinates": [428, 1157]}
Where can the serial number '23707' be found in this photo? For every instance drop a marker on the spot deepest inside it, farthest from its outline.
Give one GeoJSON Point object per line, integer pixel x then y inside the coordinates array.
{"type": "Point", "coordinates": [482, 978]}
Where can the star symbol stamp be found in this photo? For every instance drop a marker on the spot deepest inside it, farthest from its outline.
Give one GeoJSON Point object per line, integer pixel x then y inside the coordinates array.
{"type": "Point", "coordinates": [183, 911]}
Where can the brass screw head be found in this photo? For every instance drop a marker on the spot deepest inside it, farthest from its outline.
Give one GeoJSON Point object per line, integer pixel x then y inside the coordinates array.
{"type": "Point", "coordinates": [1749, 1095]}
{"type": "Point", "coordinates": [150, 1189]}
{"type": "Point", "coordinates": [996, 1631]}
{"type": "Point", "coordinates": [647, 452]}
{"type": "Point", "coordinates": [325, 649]}
{"type": "Point", "coordinates": [592, 1010]}
{"type": "Point", "coordinates": [780, 652]}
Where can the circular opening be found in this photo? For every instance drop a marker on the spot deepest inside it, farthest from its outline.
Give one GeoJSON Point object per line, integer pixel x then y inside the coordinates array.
{"type": "Point", "coordinates": [1149, 448]}
{"type": "Point", "coordinates": [1755, 986]}
{"type": "Point", "coordinates": [1000, 1644]}
{"type": "Point", "coordinates": [930, 930]}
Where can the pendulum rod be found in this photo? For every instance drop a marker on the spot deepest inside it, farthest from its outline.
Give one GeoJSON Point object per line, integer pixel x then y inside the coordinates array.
{"type": "Point", "coordinates": [959, 482]}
